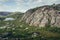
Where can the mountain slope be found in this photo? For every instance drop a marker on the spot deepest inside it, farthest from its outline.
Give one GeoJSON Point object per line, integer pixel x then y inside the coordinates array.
{"type": "Point", "coordinates": [48, 15]}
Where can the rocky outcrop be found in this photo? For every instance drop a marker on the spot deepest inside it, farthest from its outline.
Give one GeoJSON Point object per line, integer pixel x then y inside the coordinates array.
{"type": "Point", "coordinates": [43, 16]}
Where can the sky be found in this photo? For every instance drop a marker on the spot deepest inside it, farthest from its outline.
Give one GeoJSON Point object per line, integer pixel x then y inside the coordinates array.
{"type": "Point", "coordinates": [24, 5]}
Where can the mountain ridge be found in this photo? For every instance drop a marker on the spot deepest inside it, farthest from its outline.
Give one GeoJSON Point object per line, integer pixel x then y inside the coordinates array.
{"type": "Point", "coordinates": [47, 15]}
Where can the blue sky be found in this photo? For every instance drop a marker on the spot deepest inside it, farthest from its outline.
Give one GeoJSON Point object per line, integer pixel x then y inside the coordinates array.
{"type": "Point", "coordinates": [24, 5]}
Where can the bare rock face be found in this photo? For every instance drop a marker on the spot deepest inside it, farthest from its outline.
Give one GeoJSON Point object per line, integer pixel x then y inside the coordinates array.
{"type": "Point", "coordinates": [43, 16]}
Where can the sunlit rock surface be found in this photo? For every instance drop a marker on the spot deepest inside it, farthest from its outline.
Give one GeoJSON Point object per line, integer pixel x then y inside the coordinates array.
{"type": "Point", "coordinates": [48, 15]}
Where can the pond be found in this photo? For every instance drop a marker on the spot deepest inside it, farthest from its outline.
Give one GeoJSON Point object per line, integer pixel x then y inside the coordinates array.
{"type": "Point", "coordinates": [9, 19]}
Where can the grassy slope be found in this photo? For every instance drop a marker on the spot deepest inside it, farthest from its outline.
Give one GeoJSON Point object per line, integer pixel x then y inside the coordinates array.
{"type": "Point", "coordinates": [24, 31]}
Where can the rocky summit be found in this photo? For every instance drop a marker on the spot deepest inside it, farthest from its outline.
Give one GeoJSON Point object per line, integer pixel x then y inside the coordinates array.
{"type": "Point", "coordinates": [48, 15]}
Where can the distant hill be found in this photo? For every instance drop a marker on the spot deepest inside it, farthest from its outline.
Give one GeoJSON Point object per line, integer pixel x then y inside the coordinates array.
{"type": "Point", "coordinates": [16, 15]}
{"type": "Point", "coordinates": [4, 13]}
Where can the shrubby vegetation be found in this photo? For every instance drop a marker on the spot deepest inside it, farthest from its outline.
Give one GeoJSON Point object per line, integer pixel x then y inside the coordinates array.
{"type": "Point", "coordinates": [16, 29]}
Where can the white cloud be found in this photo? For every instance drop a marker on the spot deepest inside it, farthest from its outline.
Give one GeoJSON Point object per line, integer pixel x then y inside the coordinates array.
{"type": "Point", "coordinates": [53, 1]}
{"type": "Point", "coordinates": [11, 8]}
{"type": "Point", "coordinates": [23, 5]}
{"type": "Point", "coordinates": [49, 1]}
{"type": "Point", "coordinates": [3, 0]}
{"type": "Point", "coordinates": [25, 2]}
{"type": "Point", "coordinates": [5, 8]}
{"type": "Point", "coordinates": [37, 1]}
